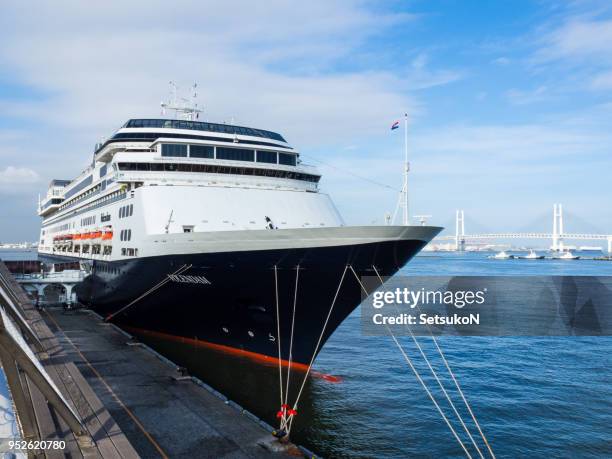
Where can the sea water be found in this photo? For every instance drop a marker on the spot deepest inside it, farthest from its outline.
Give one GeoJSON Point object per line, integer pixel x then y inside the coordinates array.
{"type": "Point", "coordinates": [533, 396]}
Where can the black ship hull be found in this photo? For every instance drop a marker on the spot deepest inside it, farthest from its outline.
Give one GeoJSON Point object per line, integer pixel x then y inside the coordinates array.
{"type": "Point", "coordinates": [227, 301]}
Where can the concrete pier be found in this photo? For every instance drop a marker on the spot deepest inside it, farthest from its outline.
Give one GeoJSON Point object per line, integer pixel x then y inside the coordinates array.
{"type": "Point", "coordinates": [177, 417]}
{"type": "Point", "coordinates": [130, 401]}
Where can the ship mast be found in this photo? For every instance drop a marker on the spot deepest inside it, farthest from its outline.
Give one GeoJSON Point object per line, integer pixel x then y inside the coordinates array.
{"type": "Point", "coordinates": [402, 199]}
{"type": "Point", "coordinates": [183, 107]}
{"type": "Point", "coordinates": [406, 170]}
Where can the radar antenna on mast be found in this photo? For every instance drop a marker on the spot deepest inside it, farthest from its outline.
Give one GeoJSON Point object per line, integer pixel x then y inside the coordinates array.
{"type": "Point", "coordinates": [183, 107]}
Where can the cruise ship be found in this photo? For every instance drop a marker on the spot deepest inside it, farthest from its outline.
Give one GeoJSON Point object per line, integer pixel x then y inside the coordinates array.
{"type": "Point", "coordinates": [215, 235]}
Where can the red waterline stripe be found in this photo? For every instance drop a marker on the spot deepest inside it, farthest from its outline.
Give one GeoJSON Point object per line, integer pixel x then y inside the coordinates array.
{"type": "Point", "coordinates": [254, 356]}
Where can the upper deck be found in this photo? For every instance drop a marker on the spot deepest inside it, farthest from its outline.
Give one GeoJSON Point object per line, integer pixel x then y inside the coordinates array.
{"type": "Point", "coordinates": [143, 130]}
{"type": "Point", "coordinates": [157, 150]}
{"type": "Point", "coordinates": [203, 126]}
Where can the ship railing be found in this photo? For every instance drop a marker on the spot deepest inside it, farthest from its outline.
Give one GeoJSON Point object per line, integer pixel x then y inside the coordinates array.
{"type": "Point", "coordinates": [63, 275]}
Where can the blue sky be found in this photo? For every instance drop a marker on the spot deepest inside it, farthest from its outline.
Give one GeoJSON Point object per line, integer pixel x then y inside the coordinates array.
{"type": "Point", "coordinates": [510, 103]}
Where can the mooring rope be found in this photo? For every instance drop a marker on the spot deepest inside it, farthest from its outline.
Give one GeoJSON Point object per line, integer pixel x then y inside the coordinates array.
{"type": "Point", "coordinates": [484, 438]}
{"type": "Point", "coordinates": [316, 349]}
{"type": "Point", "coordinates": [418, 376]}
{"type": "Point", "coordinates": [452, 374]}
{"type": "Point", "coordinates": [435, 375]}
{"type": "Point", "coordinates": [160, 284]}
{"type": "Point", "coordinates": [278, 336]}
{"type": "Point", "coordinates": [284, 418]}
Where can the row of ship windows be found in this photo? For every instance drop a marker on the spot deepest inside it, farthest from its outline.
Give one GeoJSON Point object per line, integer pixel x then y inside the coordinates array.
{"type": "Point", "coordinates": [126, 211]}
{"type": "Point", "coordinates": [52, 202]}
{"type": "Point", "coordinates": [97, 249]}
{"type": "Point", "coordinates": [95, 189]}
{"type": "Point", "coordinates": [202, 126]}
{"type": "Point", "coordinates": [81, 185]}
{"type": "Point", "coordinates": [88, 221]}
{"type": "Point", "coordinates": [213, 169]}
{"type": "Point", "coordinates": [125, 235]}
{"type": "Point", "coordinates": [94, 204]}
{"type": "Point", "coordinates": [176, 150]}
{"type": "Point", "coordinates": [58, 228]}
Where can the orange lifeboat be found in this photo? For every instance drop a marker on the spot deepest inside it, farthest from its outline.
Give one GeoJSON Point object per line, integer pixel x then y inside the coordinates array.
{"type": "Point", "coordinates": [107, 234]}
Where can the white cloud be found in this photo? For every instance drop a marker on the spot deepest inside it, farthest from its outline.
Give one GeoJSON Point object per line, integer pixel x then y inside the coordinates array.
{"type": "Point", "coordinates": [17, 176]}
{"type": "Point", "coordinates": [501, 61]}
{"type": "Point", "coordinates": [420, 61]}
{"type": "Point", "coordinates": [578, 38]}
{"type": "Point", "coordinates": [580, 52]}
{"type": "Point", "coordinates": [602, 80]}
{"type": "Point", "coordinates": [264, 64]}
{"type": "Point", "coordinates": [519, 97]}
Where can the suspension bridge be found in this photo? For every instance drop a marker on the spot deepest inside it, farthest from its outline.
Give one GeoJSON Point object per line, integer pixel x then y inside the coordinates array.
{"type": "Point", "coordinates": [557, 237]}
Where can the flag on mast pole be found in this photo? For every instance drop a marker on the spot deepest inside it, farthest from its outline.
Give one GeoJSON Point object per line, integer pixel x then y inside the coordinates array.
{"type": "Point", "coordinates": [395, 125]}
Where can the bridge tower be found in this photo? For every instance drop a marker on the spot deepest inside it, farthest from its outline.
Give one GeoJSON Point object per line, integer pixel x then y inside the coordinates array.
{"type": "Point", "coordinates": [459, 231]}
{"type": "Point", "coordinates": [557, 234]}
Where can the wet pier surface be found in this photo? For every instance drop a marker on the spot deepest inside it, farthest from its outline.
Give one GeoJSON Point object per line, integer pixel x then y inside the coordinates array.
{"type": "Point", "coordinates": [159, 412]}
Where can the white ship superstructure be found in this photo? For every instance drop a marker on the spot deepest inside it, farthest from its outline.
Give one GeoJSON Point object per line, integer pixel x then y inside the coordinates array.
{"type": "Point", "coordinates": [159, 176]}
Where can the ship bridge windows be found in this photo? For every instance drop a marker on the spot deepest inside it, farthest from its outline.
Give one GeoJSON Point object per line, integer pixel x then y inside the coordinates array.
{"type": "Point", "coordinates": [287, 159]}
{"type": "Point", "coordinates": [174, 150]}
{"type": "Point", "coordinates": [235, 154]}
{"type": "Point", "coordinates": [201, 151]}
{"type": "Point", "coordinates": [264, 156]}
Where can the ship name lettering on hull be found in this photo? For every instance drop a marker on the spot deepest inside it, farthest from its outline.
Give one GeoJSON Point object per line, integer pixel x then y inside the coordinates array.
{"type": "Point", "coordinates": [188, 279]}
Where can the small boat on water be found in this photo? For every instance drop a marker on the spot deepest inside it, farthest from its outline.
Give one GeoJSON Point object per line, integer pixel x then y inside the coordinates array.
{"type": "Point", "coordinates": [532, 256]}
{"type": "Point", "coordinates": [503, 255]}
{"type": "Point", "coordinates": [566, 256]}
